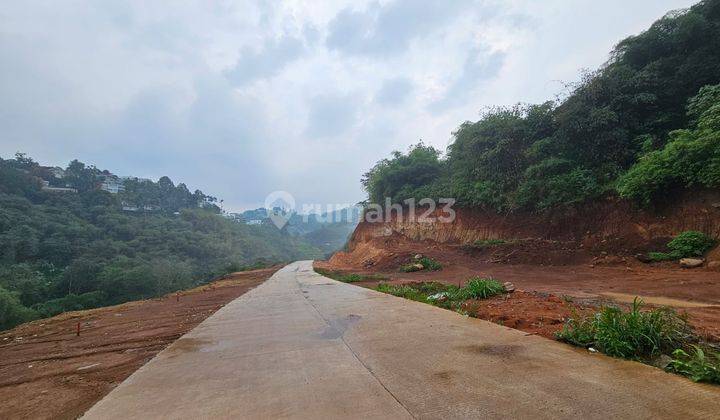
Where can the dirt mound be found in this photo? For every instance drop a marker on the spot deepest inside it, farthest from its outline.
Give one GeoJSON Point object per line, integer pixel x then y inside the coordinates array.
{"type": "Point", "coordinates": [47, 371]}
{"type": "Point", "coordinates": [533, 312]}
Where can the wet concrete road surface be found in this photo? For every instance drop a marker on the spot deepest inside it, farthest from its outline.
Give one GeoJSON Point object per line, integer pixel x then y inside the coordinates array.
{"type": "Point", "coordinates": [304, 346]}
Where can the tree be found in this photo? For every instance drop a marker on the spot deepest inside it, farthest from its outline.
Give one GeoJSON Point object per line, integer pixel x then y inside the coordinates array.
{"type": "Point", "coordinates": [399, 177]}
{"type": "Point", "coordinates": [81, 177]}
{"type": "Point", "coordinates": [690, 158]}
{"type": "Point", "coordinates": [12, 312]}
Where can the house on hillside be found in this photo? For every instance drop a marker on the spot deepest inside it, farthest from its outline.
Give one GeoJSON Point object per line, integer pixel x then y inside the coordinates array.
{"type": "Point", "coordinates": [135, 178]}
{"type": "Point", "coordinates": [237, 217]}
{"type": "Point", "coordinates": [56, 171]}
{"type": "Point", "coordinates": [133, 207]}
{"type": "Point", "coordinates": [112, 184]}
{"type": "Point", "coordinates": [46, 187]}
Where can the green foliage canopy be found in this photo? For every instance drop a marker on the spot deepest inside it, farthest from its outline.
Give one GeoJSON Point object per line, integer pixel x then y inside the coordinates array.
{"type": "Point", "coordinates": [644, 125]}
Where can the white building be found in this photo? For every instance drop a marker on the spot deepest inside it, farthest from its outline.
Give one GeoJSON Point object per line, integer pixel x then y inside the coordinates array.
{"type": "Point", "coordinates": [112, 184]}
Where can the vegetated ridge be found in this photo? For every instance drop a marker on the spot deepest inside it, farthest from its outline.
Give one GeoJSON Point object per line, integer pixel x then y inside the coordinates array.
{"type": "Point", "coordinates": [643, 127]}
{"type": "Point", "coordinates": [80, 237]}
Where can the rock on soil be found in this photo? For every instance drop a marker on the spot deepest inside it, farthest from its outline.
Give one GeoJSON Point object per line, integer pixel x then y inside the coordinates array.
{"type": "Point", "coordinates": [691, 262]}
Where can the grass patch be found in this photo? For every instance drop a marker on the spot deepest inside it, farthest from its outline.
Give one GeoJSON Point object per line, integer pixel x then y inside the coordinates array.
{"type": "Point", "coordinates": [350, 277]}
{"type": "Point", "coordinates": [662, 256]}
{"type": "Point", "coordinates": [479, 288]}
{"type": "Point", "coordinates": [633, 334]}
{"type": "Point", "coordinates": [417, 292]}
{"type": "Point", "coordinates": [697, 364]}
{"type": "Point", "coordinates": [424, 263]}
{"type": "Point", "coordinates": [444, 295]}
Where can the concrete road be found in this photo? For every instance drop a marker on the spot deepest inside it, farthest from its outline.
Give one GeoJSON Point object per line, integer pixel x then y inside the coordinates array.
{"type": "Point", "coordinates": [304, 346]}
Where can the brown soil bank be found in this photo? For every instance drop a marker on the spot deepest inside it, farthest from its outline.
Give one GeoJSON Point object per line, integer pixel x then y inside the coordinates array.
{"type": "Point", "coordinates": [613, 226]}
{"type": "Point", "coordinates": [587, 254]}
{"type": "Point", "coordinates": [46, 371]}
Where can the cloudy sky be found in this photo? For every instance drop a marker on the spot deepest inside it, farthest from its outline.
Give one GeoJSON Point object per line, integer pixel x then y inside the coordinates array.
{"type": "Point", "coordinates": [242, 98]}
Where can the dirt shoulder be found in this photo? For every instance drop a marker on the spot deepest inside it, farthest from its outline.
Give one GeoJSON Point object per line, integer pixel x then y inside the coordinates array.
{"type": "Point", "coordinates": [547, 288]}
{"type": "Point", "coordinates": [47, 371]}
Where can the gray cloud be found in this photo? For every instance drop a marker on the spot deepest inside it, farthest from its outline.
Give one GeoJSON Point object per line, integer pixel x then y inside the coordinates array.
{"type": "Point", "coordinates": [394, 91]}
{"type": "Point", "coordinates": [266, 62]}
{"type": "Point", "coordinates": [480, 67]}
{"type": "Point", "coordinates": [388, 29]}
{"type": "Point", "coordinates": [143, 89]}
{"type": "Point", "coordinates": [331, 115]}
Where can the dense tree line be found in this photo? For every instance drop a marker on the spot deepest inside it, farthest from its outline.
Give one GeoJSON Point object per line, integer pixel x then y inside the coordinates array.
{"type": "Point", "coordinates": [66, 251]}
{"type": "Point", "coordinates": [642, 126]}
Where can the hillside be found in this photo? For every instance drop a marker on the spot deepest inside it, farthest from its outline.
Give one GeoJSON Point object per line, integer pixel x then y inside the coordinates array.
{"type": "Point", "coordinates": [643, 127]}
{"type": "Point", "coordinates": [571, 211]}
{"type": "Point", "coordinates": [80, 237]}
{"type": "Point", "coordinates": [48, 371]}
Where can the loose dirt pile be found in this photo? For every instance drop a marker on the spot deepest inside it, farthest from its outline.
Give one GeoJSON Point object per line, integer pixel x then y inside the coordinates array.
{"type": "Point", "coordinates": [47, 371]}
{"type": "Point", "coordinates": [532, 312]}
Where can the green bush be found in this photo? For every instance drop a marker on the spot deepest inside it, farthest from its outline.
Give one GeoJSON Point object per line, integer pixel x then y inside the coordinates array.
{"type": "Point", "coordinates": [420, 264]}
{"type": "Point", "coordinates": [698, 365]}
{"type": "Point", "coordinates": [12, 312]}
{"type": "Point", "coordinates": [690, 244]}
{"type": "Point", "coordinates": [633, 334]}
{"type": "Point", "coordinates": [690, 158]}
{"type": "Point", "coordinates": [479, 288]}
{"type": "Point", "coordinates": [430, 264]}
{"type": "Point", "coordinates": [661, 256]}
{"type": "Point", "coordinates": [686, 245]}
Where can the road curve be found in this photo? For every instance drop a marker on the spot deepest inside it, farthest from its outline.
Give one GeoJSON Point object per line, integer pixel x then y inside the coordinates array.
{"type": "Point", "coordinates": [304, 346]}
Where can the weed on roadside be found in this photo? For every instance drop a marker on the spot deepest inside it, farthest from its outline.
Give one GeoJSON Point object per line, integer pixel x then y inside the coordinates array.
{"type": "Point", "coordinates": [444, 295]}
{"type": "Point", "coordinates": [697, 364]}
{"type": "Point", "coordinates": [349, 278]}
{"type": "Point", "coordinates": [633, 334]}
{"type": "Point", "coordinates": [480, 288]}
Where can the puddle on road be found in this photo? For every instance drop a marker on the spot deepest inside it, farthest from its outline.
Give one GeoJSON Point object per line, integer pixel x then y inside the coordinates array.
{"type": "Point", "coordinates": [337, 327]}
{"type": "Point", "coordinates": [500, 350]}
{"type": "Point", "coordinates": [187, 345]}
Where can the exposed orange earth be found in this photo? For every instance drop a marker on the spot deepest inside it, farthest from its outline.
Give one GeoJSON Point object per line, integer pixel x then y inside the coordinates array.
{"type": "Point", "coordinates": [548, 275]}
{"type": "Point", "coordinates": [47, 371]}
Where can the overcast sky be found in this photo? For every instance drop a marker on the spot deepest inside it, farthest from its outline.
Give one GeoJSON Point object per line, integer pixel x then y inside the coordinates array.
{"type": "Point", "coordinates": [242, 98]}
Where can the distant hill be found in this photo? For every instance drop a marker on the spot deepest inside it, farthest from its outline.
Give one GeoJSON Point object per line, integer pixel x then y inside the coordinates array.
{"type": "Point", "coordinates": [80, 237]}
{"type": "Point", "coordinates": [327, 231]}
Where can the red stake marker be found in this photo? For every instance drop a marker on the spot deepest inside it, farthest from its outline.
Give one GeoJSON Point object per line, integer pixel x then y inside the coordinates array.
{"type": "Point", "coordinates": [78, 329]}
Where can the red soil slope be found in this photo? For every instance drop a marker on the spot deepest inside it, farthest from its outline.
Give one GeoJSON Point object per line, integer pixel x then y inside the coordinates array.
{"type": "Point", "coordinates": [46, 371]}
{"type": "Point", "coordinates": [587, 254]}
